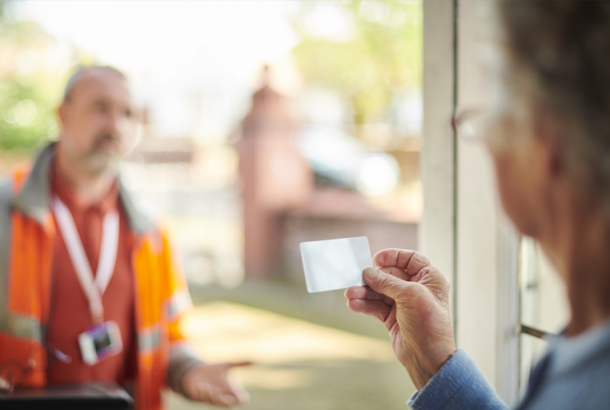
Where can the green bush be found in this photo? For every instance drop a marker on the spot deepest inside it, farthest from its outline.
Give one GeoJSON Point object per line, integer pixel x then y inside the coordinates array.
{"type": "Point", "coordinates": [382, 56]}
{"type": "Point", "coordinates": [28, 89]}
{"type": "Point", "coordinates": [26, 114]}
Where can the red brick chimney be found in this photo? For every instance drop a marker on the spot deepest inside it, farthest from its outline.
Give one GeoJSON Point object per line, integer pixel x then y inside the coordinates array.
{"type": "Point", "coordinates": [275, 178]}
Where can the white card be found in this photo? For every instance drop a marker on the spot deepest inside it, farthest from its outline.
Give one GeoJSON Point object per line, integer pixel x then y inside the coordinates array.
{"type": "Point", "coordinates": [335, 264]}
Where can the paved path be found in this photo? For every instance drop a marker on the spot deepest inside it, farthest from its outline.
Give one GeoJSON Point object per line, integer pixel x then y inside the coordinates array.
{"type": "Point", "coordinates": [300, 365]}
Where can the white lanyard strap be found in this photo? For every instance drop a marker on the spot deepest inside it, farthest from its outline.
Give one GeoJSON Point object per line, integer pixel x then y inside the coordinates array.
{"type": "Point", "coordinates": [93, 288]}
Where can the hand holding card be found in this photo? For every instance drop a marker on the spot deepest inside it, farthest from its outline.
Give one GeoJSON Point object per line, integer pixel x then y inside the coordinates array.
{"type": "Point", "coordinates": [336, 263]}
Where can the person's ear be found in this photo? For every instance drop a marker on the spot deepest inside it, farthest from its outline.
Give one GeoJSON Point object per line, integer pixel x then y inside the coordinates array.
{"type": "Point", "coordinates": [553, 161]}
{"type": "Point", "coordinates": [61, 114]}
{"type": "Point", "coordinates": [547, 134]}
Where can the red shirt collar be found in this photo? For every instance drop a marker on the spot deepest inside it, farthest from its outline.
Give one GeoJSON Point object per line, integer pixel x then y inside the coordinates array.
{"type": "Point", "coordinates": [75, 201]}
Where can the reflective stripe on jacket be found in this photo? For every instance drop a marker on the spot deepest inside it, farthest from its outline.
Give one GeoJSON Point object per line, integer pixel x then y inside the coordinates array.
{"type": "Point", "coordinates": [27, 234]}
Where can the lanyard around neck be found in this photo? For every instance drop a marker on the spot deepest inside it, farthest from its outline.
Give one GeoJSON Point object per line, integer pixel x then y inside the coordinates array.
{"type": "Point", "coordinates": [93, 288]}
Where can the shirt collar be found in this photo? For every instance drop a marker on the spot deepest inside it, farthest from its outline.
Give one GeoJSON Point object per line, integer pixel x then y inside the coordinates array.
{"type": "Point", "coordinates": [571, 352]}
{"type": "Point", "coordinates": [74, 200]}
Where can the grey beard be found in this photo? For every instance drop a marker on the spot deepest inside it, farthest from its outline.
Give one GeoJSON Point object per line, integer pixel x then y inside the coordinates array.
{"type": "Point", "coordinates": [101, 163]}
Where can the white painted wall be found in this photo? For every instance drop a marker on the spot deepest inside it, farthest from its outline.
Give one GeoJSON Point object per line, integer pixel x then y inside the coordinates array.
{"type": "Point", "coordinates": [485, 278]}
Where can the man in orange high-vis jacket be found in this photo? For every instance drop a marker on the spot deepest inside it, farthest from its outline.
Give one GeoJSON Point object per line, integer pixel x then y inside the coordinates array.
{"type": "Point", "coordinates": [90, 289]}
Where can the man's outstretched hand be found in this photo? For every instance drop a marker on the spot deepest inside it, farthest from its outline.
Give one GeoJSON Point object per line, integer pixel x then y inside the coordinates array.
{"type": "Point", "coordinates": [210, 383]}
{"type": "Point", "coordinates": [411, 298]}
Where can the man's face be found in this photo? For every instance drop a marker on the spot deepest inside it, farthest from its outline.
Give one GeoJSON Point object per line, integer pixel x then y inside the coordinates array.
{"type": "Point", "coordinates": [98, 121]}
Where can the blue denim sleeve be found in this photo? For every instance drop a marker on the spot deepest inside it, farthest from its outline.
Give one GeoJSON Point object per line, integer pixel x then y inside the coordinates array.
{"type": "Point", "coordinates": [459, 385]}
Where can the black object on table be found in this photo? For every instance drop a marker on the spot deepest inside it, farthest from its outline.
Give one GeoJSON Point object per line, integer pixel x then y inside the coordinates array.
{"type": "Point", "coordinates": [97, 396]}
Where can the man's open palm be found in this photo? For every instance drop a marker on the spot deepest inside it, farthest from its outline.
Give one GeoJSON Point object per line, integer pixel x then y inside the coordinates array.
{"type": "Point", "coordinates": [211, 384]}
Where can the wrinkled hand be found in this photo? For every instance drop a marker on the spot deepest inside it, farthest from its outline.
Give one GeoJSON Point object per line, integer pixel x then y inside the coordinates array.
{"type": "Point", "coordinates": [211, 383]}
{"type": "Point", "coordinates": [411, 298]}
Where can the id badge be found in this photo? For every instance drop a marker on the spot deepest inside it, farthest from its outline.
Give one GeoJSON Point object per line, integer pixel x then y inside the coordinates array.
{"type": "Point", "coordinates": [100, 342]}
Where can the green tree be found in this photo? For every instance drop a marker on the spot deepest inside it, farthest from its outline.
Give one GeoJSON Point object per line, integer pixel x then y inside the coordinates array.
{"type": "Point", "coordinates": [28, 91]}
{"type": "Point", "coordinates": [381, 55]}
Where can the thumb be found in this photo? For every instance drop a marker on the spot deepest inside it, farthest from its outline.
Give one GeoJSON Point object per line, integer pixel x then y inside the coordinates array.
{"type": "Point", "coordinates": [239, 364]}
{"type": "Point", "coordinates": [385, 283]}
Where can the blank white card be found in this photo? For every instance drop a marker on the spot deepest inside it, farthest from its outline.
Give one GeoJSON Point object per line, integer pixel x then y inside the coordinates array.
{"type": "Point", "coordinates": [335, 264]}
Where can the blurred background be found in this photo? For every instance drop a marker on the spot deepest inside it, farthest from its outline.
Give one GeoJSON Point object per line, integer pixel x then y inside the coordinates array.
{"type": "Point", "coordinates": [269, 123]}
{"type": "Point", "coordinates": [265, 124]}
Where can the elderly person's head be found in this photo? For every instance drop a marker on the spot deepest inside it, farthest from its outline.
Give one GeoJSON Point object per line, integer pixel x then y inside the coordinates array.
{"type": "Point", "coordinates": [550, 141]}
{"type": "Point", "coordinates": [98, 121]}
{"type": "Point", "coordinates": [551, 146]}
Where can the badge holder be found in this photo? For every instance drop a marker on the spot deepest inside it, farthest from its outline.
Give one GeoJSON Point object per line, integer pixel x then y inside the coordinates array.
{"type": "Point", "coordinates": [100, 342]}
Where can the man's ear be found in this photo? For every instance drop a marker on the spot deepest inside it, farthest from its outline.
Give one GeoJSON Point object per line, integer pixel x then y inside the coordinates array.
{"type": "Point", "coordinates": [61, 116]}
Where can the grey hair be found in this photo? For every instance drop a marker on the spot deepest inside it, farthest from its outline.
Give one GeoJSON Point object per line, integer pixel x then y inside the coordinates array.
{"type": "Point", "coordinates": [559, 54]}
{"type": "Point", "coordinates": [82, 71]}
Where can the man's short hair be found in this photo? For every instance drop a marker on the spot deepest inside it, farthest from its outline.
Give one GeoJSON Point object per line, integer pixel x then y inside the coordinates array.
{"type": "Point", "coordinates": [82, 71]}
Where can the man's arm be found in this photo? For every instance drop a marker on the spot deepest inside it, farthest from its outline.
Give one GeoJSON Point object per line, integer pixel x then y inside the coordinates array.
{"type": "Point", "coordinates": [181, 360]}
{"type": "Point", "coordinates": [188, 375]}
{"type": "Point", "coordinates": [182, 357]}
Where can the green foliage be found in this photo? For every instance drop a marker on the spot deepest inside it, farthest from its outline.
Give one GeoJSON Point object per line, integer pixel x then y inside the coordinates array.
{"type": "Point", "coordinates": [27, 112]}
{"type": "Point", "coordinates": [27, 90]}
{"type": "Point", "coordinates": [382, 56]}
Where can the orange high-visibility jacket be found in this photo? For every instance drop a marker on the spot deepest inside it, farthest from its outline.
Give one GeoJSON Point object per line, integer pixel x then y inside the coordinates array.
{"type": "Point", "coordinates": [27, 234]}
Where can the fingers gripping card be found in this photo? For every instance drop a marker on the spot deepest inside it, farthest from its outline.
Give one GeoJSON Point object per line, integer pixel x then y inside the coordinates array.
{"type": "Point", "coordinates": [335, 264]}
